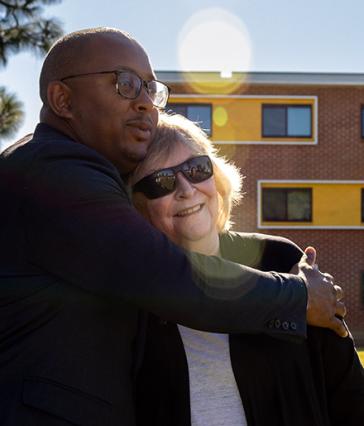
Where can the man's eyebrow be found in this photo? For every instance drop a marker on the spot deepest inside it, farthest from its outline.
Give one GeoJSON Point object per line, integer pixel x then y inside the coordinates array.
{"type": "Point", "coordinates": [124, 68]}
{"type": "Point", "coordinates": [150, 77]}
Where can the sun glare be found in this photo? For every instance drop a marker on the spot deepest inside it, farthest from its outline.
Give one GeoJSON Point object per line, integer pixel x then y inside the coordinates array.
{"type": "Point", "coordinates": [214, 40]}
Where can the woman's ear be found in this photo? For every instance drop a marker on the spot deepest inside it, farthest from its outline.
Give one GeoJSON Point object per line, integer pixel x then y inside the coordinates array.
{"type": "Point", "coordinates": [59, 99]}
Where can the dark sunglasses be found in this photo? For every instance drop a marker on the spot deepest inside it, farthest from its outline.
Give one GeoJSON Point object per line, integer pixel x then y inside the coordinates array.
{"type": "Point", "coordinates": [163, 182]}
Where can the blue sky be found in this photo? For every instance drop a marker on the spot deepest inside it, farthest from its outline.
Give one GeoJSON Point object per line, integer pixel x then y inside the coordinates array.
{"type": "Point", "coordinates": [228, 35]}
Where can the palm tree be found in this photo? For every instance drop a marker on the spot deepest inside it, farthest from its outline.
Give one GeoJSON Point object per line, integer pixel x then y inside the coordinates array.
{"type": "Point", "coordinates": [11, 114]}
{"type": "Point", "coordinates": [21, 28]}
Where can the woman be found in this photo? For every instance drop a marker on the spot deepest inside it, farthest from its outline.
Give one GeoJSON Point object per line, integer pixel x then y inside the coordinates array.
{"type": "Point", "coordinates": [190, 377]}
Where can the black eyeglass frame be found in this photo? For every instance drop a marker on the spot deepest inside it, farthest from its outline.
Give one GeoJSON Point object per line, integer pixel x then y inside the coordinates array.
{"type": "Point", "coordinates": [120, 71]}
{"type": "Point", "coordinates": [149, 186]}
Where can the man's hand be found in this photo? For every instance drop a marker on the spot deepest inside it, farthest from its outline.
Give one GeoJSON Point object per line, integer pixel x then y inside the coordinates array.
{"type": "Point", "coordinates": [324, 306]}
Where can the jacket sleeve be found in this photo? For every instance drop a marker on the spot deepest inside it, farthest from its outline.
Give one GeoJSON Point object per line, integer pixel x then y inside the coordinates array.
{"type": "Point", "coordinates": [80, 226]}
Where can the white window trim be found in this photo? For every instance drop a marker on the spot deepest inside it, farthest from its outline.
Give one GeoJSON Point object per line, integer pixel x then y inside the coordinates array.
{"type": "Point", "coordinates": [176, 96]}
{"type": "Point", "coordinates": [260, 183]}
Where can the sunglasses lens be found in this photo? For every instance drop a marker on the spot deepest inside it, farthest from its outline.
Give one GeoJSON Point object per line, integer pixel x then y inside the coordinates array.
{"type": "Point", "coordinates": [198, 169]}
{"type": "Point", "coordinates": [157, 184]}
{"type": "Point", "coordinates": [165, 181]}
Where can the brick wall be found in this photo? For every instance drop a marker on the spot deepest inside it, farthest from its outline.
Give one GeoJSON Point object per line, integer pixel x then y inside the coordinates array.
{"type": "Point", "coordinates": [339, 155]}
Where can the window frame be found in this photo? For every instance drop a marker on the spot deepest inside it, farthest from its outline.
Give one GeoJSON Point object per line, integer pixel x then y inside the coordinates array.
{"type": "Point", "coordinates": [286, 107]}
{"type": "Point", "coordinates": [192, 104]}
{"type": "Point", "coordinates": [286, 191]}
{"type": "Point", "coordinates": [362, 122]}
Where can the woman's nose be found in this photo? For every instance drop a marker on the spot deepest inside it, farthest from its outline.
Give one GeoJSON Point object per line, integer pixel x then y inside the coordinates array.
{"type": "Point", "coordinates": [184, 188]}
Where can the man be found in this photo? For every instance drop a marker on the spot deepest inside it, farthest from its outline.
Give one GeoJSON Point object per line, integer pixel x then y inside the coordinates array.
{"type": "Point", "coordinates": [78, 262]}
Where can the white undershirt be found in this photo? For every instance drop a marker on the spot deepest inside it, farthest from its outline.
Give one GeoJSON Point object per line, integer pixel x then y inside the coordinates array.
{"type": "Point", "coordinates": [214, 395]}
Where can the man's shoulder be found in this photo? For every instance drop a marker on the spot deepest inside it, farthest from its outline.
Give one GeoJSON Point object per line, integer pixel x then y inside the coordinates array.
{"type": "Point", "coordinates": [51, 159]}
{"type": "Point", "coordinates": [50, 149]}
{"type": "Point", "coordinates": [47, 143]}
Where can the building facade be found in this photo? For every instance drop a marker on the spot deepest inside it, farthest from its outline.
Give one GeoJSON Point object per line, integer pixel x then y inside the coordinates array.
{"type": "Point", "coordinates": [299, 141]}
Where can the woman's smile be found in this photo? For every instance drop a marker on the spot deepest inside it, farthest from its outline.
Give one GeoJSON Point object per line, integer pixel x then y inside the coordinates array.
{"type": "Point", "coordinates": [189, 211]}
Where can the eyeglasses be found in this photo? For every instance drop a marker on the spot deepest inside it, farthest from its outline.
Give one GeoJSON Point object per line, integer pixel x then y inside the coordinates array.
{"type": "Point", "coordinates": [129, 85]}
{"type": "Point", "coordinates": [163, 182]}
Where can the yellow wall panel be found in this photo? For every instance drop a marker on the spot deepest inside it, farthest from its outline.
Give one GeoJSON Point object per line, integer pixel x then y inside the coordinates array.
{"type": "Point", "coordinates": [240, 119]}
{"type": "Point", "coordinates": [333, 204]}
{"type": "Point", "coordinates": [337, 204]}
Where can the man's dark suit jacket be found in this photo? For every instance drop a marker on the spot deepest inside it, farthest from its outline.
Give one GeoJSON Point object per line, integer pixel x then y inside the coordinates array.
{"type": "Point", "coordinates": [317, 382]}
{"type": "Point", "coordinates": [77, 264]}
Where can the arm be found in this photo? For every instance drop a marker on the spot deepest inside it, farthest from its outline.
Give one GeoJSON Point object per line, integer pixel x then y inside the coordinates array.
{"type": "Point", "coordinates": [274, 253]}
{"type": "Point", "coordinates": [80, 227]}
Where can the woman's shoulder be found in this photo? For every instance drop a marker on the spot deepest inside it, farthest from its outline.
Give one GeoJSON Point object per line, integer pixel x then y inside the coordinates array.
{"type": "Point", "coordinates": [261, 251]}
{"type": "Point", "coordinates": [256, 237]}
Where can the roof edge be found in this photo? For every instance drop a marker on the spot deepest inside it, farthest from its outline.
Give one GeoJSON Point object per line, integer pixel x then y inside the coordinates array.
{"type": "Point", "coordinates": [264, 78]}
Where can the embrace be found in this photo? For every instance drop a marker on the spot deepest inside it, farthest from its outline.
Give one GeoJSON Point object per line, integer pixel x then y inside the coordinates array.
{"type": "Point", "coordinates": [101, 303]}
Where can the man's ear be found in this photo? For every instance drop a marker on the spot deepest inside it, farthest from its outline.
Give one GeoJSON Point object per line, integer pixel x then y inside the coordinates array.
{"type": "Point", "coordinates": [59, 99]}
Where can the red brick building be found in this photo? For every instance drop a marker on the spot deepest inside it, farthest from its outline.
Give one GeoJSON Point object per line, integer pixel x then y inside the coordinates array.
{"type": "Point", "coordinates": [299, 140]}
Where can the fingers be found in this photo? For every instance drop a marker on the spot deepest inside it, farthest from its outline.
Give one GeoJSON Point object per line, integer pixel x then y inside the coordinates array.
{"type": "Point", "coordinates": [340, 310]}
{"type": "Point", "coordinates": [324, 305]}
{"type": "Point", "coordinates": [336, 289]}
{"type": "Point", "coordinates": [339, 327]}
{"type": "Point", "coordinates": [310, 253]}
{"type": "Point", "coordinates": [338, 292]}
{"type": "Point", "coordinates": [328, 276]}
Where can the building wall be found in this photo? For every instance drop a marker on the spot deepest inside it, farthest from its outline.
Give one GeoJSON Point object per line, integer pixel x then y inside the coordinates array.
{"type": "Point", "coordinates": [335, 204]}
{"type": "Point", "coordinates": [238, 119]}
{"type": "Point", "coordinates": [338, 155]}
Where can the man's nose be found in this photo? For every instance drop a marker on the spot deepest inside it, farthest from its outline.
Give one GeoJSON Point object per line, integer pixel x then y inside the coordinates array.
{"type": "Point", "coordinates": [143, 102]}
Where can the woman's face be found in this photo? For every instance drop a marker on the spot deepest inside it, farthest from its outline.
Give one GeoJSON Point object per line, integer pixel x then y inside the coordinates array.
{"type": "Point", "coordinates": [188, 215]}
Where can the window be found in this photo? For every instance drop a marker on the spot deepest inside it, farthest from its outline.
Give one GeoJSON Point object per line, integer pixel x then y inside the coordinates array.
{"type": "Point", "coordinates": [287, 204]}
{"type": "Point", "coordinates": [198, 113]}
{"type": "Point", "coordinates": [293, 121]}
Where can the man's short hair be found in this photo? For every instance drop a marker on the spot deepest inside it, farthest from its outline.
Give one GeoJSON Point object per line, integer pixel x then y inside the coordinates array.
{"type": "Point", "coordinates": [67, 53]}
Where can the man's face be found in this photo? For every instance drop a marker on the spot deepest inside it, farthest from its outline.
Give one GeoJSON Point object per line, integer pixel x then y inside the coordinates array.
{"type": "Point", "coordinates": [118, 128]}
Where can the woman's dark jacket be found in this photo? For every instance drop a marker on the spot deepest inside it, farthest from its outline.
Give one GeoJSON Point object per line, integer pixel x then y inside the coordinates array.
{"type": "Point", "coordinates": [319, 382]}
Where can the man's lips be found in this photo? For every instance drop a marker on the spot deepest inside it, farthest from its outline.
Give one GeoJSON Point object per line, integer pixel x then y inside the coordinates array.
{"type": "Point", "coordinates": [141, 129]}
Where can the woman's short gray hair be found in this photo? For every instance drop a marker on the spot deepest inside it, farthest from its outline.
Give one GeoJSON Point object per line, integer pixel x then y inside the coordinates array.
{"type": "Point", "coordinates": [173, 129]}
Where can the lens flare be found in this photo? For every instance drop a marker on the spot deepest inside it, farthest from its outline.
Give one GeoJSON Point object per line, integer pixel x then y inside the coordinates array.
{"type": "Point", "coordinates": [220, 116]}
{"type": "Point", "coordinates": [215, 40]}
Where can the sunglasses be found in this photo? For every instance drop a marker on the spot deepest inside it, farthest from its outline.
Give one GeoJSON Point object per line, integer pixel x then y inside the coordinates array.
{"type": "Point", "coordinates": [163, 182]}
{"type": "Point", "coordinates": [129, 85]}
